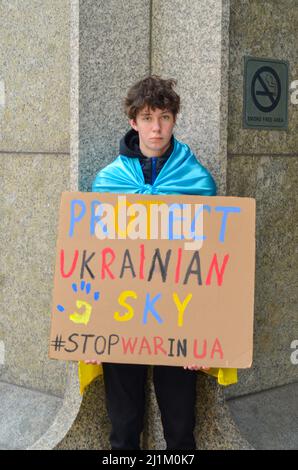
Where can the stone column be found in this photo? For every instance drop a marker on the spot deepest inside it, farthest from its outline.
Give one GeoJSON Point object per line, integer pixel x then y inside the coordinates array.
{"type": "Point", "coordinates": [110, 51]}
{"type": "Point", "coordinates": [114, 41]}
{"type": "Point", "coordinates": [190, 42]}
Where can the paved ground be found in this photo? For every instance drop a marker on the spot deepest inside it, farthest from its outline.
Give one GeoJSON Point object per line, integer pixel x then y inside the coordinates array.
{"type": "Point", "coordinates": [269, 419]}
{"type": "Point", "coordinates": [24, 415]}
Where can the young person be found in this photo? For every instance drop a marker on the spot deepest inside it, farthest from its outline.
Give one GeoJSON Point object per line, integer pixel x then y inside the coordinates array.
{"type": "Point", "coordinates": [152, 161]}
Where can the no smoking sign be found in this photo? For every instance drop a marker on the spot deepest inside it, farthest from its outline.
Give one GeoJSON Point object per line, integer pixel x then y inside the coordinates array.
{"type": "Point", "coordinates": [265, 93]}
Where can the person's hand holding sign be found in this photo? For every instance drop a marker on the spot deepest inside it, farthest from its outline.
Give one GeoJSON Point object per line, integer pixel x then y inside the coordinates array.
{"type": "Point", "coordinates": [194, 367]}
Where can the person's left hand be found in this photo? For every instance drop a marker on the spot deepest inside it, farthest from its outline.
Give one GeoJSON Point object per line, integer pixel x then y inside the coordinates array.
{"type": "Point", "coordinates": [194, 367]}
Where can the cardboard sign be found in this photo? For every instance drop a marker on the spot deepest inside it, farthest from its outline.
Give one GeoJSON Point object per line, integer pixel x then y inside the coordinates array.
{"type": "Point", "coordinates": [153, 279]}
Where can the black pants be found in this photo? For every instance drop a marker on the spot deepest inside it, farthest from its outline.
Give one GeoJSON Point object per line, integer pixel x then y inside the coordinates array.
{"type": "Point", "coordinates": [175, 390]}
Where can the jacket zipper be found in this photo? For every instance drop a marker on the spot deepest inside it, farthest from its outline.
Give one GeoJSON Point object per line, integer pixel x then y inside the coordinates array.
{"type": "Point", "coordinates": [153, 168]}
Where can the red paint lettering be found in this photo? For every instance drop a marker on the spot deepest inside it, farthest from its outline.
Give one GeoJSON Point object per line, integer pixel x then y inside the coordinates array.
{"type": "Point", "coordinates": [144, 345]}
{"type": "Point", "coordinates": [195, 349]}
{"type": "Point", "coordinates": [219, 273]}
{"type": "Point", "coordinates": [128, 345]}
{"type": "Point", "coordinates": [158, 342]}
{"type": "Point", "coordinates": [178, 266]}
{"type": "Point", "coordinates": [105, 265]}
{"type": "Point", "coordinates": [73, 266]}
{"type": "Point", "coordinates": [142, 260]}
{"type": "Point", "coordinates": [217, 349]}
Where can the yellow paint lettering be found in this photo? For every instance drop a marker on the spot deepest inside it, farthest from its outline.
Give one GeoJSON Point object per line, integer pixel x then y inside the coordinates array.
{"type": "Point", "coordinates": [122, 301]}
{"type": "Point", "coordinates": [181, 306]}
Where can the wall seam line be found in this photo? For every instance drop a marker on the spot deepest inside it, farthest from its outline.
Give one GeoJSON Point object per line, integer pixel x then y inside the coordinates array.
{"type": "Point", "coordinates": [150, 36]}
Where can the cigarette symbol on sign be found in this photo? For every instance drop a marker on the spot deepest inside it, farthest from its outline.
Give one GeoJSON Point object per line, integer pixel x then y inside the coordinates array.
{"type": "Point", "coordinates": [266, 89]}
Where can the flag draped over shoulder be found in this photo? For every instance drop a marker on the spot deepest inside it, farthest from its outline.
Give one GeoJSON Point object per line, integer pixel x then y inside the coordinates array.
{"type": "Point", "coordinates": [181, 174]}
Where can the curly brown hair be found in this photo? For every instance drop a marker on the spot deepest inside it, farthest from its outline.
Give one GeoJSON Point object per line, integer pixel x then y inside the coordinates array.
{"type": "Point", "coordinates": [154, 92]}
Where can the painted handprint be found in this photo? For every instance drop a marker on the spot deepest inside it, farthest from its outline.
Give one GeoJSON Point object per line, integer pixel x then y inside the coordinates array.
{"type": "Point", "coordinates": [82, 317]}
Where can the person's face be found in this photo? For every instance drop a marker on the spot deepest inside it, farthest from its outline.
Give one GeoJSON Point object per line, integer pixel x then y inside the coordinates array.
{"type": "Point", "coordinates": [155, 130]}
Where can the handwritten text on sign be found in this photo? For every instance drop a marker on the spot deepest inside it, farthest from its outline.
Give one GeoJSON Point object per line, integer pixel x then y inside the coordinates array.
{"type": "Point", "coordinates": [154, 279]}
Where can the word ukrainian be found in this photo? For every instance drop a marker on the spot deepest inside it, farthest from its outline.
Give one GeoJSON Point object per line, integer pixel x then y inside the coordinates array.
{"type": "Point", "coordinates": [139, 265]}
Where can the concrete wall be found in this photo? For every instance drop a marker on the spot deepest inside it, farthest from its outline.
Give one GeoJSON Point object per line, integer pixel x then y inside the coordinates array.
{"type": "Point", "coordinates": [264, 165]}
{"type": "Point", "coordinates": [34, 168]}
